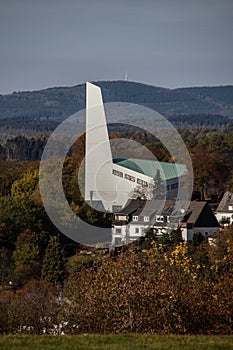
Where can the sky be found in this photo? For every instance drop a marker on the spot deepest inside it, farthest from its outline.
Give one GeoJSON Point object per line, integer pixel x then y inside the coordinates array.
{"type": "Point", "coordinates": [167, 43]}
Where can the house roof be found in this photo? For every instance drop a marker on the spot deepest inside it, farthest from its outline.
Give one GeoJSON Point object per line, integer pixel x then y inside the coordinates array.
{"type": "Point", "coordinates": [150, 167]}
{"type": "Point", "coordinates": [133, 206]}
{"type": "Point", "coordinates": [146, 207]}
{"type": "Point", "coordinates": [227, 200]}
{"type": "Point", "coordinates": [200, 214]}
{"type": "Point", "coordinates": [96, 205]}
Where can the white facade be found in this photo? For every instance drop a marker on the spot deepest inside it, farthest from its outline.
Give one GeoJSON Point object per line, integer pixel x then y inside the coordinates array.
{"type": "Point", "coordinates": [133, 222]}
{"type": "Point", "coordinates": [225, 218]}
{"type": "Point", "coordinates": [187, 234]}
{"type": "Point", "coordinates": [224, 212]}
{"type": "Point", "coordinates": [124, 234]}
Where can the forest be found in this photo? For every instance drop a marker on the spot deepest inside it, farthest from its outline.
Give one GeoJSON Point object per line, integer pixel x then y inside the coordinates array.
{"type": "Point", "coordinates": [60, 102]}
{"type": "Point", "coordinates": [52, 284]}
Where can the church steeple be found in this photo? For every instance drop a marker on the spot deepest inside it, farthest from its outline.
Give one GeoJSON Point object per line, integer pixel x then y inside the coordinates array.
{"type": "Point", "coordinates": [98, 153]}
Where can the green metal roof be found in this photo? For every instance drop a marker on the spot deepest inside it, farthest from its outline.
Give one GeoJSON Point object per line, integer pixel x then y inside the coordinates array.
{"type": "Point", "coordinates": [150, 167]}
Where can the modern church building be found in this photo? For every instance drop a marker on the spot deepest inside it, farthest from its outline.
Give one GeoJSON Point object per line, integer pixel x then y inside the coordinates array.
{"type": "Point", "coordinates": [126, 186]}
{"type": "Point", "coordinates": [111, 182]}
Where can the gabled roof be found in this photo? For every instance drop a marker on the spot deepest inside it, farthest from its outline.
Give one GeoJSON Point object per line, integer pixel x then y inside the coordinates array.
{"type": "Point", "coordinates": [227, 200]}
{"type": "Point", "coordinates": [96, 205]}
{"type": "Point", "coordinates": [132, 206]}
{"type": "Point", "coordinates": [150, 167]}
{"type": "Point", "coordinates": [200, 215]}
{"type": "Point", "coordinates": [147, 207]}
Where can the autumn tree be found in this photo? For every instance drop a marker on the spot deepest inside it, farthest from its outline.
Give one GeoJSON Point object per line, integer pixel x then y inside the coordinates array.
{"type": "Point", "coordinates": [17, 215]}
{"type": "Point", "coordinates": [26, 257]}
{"type": "Point", "coordinates": [210, 172]}
{"type": "Point", "coordinates": [33, 310]}
{"type": "Point", "coordinates": [11, 171]}
{"type": "Point", "coordinates": [26, 248]}
{"type": "Point", "coordinates": [26, 185]}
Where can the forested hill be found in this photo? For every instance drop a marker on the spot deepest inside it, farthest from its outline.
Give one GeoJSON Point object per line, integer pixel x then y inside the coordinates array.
{"type": "Point", "coordinates": [59, 103]}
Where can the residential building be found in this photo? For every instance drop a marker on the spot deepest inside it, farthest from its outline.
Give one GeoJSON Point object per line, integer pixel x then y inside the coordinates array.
{"type": "Point", "coordinates": [224, 212]}
{"type": "Point", "coordinates": [199, 218]}
{"type": "Point", "coordinates": [133, 221]}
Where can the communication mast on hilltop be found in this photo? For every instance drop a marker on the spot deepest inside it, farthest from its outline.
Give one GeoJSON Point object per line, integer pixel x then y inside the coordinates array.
{"type": "Point", "coordinates": [126, 77]}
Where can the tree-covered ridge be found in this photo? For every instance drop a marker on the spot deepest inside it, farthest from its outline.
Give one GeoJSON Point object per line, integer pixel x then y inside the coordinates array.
{"type": "Point", "coordinates": [200, 120]}
{"type": "Point", "coordinates": [23, 148]}
{"type": "Point", "coordinates": [171, 101]}
{"type": "Point", "coordinates": [27, 126]}
{"type": "Point", "coordinates": [30, 148]}
{"type": "Point", "coordinates": [53, 103]}
{"type": "Point", "coordinates": [61, 102]}
{"type": "Point", "coordinates": [216, 94]}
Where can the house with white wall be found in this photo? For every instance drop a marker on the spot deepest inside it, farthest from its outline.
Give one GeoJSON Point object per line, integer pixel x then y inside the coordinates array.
{"type": "Point", "coordinates": [224, 212]}
{"type": "Point", "coordinates": [199, 218]}
{"type": "Point", "coordinates": [133, 221]}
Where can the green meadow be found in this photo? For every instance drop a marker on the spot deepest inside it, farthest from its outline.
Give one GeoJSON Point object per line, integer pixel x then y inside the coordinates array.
{"type": "Point", "coordinates": [115, 342]}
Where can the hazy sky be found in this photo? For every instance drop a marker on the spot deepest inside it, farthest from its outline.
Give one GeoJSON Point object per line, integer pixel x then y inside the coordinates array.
{"type": "Point", "coordinates": [168, 43]}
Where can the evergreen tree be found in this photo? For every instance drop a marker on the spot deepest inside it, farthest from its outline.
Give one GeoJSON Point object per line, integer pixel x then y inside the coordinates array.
{"type": "Point", "coordinates": [158, 188]}
{"type": "Point", "coordinates": [6, 265]}
{"type": "Point", "coordinates": [53, 265]}
{"type": "Point", "coordinates": [176, 236]}
{"type": "Point", "coordinates": [197, 239]}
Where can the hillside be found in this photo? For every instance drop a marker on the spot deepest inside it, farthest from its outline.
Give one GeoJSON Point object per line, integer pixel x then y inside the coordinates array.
{"type": "Point", "coordinates": [60, 102]}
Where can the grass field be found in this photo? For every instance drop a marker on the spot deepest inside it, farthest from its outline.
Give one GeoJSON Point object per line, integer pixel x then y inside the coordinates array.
{"type": "Point", "coordinates": [115, 342]}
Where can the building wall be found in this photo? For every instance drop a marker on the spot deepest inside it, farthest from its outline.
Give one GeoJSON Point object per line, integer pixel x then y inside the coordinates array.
{"type": "Point", "coordinates": [115, 185]}
{"type": "Point", "coordinates": [133, 231]}
{"type": "Point", "coordinates": [128, 233]}
{"type": "Point", "coordinates": [187, 234]}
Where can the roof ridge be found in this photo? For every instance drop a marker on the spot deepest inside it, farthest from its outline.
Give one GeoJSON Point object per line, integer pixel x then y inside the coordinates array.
{"type": "Point", "coordinates": [196, 204]}
{"type": "Point", "coordinates": [226, 197]}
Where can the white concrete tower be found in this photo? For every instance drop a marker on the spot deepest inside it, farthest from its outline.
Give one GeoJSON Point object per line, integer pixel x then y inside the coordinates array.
{"type": "Point", "coordinates": [98, 155]}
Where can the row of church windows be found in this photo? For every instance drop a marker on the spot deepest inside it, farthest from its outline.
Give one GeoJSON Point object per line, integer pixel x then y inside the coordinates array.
{"type": "Point", "coordinates": [140, 181]}
{"type": "Point", "coordinates": [131, 178]}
